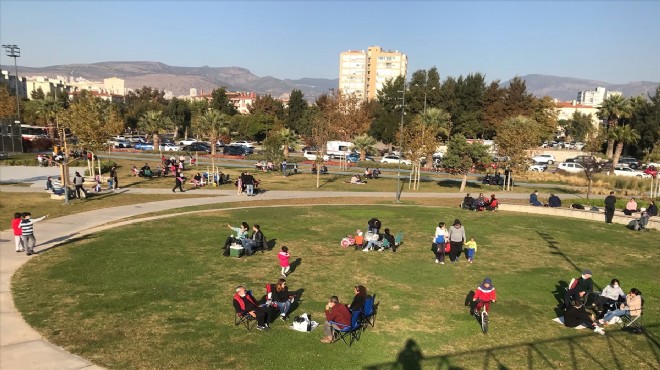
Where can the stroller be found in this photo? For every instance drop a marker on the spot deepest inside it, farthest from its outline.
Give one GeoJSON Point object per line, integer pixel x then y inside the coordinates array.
{"type": "Point", "coordinates": [640, 224]}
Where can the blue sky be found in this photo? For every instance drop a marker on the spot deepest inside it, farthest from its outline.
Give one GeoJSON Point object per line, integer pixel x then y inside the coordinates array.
{"type": "Point", "coordinates": [612, 41]}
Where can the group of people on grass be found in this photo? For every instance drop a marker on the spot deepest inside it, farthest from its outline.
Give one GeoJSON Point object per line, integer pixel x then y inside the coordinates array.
{"type": "Point", "coordinates": [609, 305]}
{"type": "Point", "coordinates": [553, 201]}
{"type": "Point", "coordinates": [374, 240]}
{"type": "Point", "coordinates": [23, 227]}
{"type": "Point", "coordinates": [481, 203]}
{"type": "Point", "coordinates": [452, 241]}
{"type": "Point", "coordinates": [338, 315]}
{"type": "Point", "coordinates": [251, 244]}
{"type": "Point", "coordinates": [278, 299]}
{"type": "Point", "coordinates": [57, 188]}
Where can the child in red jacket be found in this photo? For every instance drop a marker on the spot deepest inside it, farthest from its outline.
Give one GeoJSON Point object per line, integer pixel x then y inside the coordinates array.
{"type": "Point", "coordinates": [485, 294]}
{"type": "Point", "coordinates": [16, 226]}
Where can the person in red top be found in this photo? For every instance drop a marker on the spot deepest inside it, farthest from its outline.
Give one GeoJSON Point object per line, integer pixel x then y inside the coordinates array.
{"type": "Point", "coordinates": [337, 312]}
{"type": "Point", "coordinates": [16, 226]}
{"type": "Point", "coordinates": [245, 304]}
{"type": "Point", "coordinates": [484, 295]}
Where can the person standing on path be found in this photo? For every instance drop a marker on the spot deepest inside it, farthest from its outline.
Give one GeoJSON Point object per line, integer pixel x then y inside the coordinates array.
{"type": "Point", "coordinates": [113, 176]}
{"type": "Point", "coordinates": [78, 181]}
{"type": "Point", "coordinates": [27, 232]}
{"type": "Point", "coordinates": [456, 240]}
{"type": "Point", "coordinates": [178, 178]}
{"type": "Point", "coordinates": [610, 206]}
{"type": "Point", "coordinates": [248, 181]}
{"type": "Point", "coordinates": [16, 226]}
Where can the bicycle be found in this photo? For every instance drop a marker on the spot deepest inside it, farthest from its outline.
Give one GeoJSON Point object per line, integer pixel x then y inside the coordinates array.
{"type": "Point", "coordinates": [482, 316]}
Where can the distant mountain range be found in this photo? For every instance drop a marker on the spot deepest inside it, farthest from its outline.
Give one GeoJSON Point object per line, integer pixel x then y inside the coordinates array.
{"type": "Point", "coordinates": [180, 80]}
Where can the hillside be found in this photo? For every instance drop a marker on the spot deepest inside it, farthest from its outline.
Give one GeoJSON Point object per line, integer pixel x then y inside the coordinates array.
{"type": "Point", "coordinates": [566, 88]}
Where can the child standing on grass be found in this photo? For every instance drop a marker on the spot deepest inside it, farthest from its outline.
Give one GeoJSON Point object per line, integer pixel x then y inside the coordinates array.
{"type": "Point", "coordinates": [471, 249]}
{"type": "Point", "coordinates": [284, 260]}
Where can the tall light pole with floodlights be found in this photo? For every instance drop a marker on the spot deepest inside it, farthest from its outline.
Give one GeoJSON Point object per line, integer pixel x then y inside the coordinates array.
{"type": "Point", "coordinates": [14, 51]}
{"type": "Point", "coordinates": [398, 174]}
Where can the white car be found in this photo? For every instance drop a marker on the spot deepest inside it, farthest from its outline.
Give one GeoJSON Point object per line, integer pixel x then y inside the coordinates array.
{"type": "Point", "coordinates": [544, 158]}
{"type": "Point", "coordinates": [243, 143]}
{"type": "Point", "coordinates": [167, 147]}
{"type": "Point", "coordinates": [187, 142]}
{"type": "Point", "coordinates": [538, 167]}
{"type": "Point", "coordinates": [629, 172]}
{"type": "Point", "coordinates": [391, 158]}
{"type": "Point", "coordinates": [571, 167]}
{"type": "Point", "coordinates": [311, 155]}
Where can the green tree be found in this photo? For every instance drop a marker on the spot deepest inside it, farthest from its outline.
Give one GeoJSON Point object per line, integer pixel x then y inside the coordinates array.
{"type": "Point", "coordinates": [179, 112]}
{"type": "Point", "coordinates": [155, 123]}
{"type": "Point", "coordinates": [612, 109]}
{"type": "Point", "coordinates": [623, 135]}
{"type": "Point", "coordinates": [435, 122]}
{"type": "Point", "coordinates": [138, 102]}
{"type": "Point", "coordinates": [387, 114]}
{"type": "Point", "coordinates": [579, 126]}
{"type": "Point", "coordinates": [268, 105]}
{"type": "Point", "coordinates": [645, 119]}
{"type": "Point", "coordinates": [221, 102]}
{"type": "Point", "coordinates": [38, 94]}
{"type": "Point", "coordinates": [288, 138]}
{"type": "Point", "coordinates": [91, 120]}
{"type": "Point", "coordinates": [514, 137]}
{"type": "Point", "coordinates": [470, 94]}
{"type": "Point", "coordinates": [493, 109]}
{"type": "Point", "coordinates": [213, 124]}
{"type": "Point", "coordinates": [295, 113]}
{"type": "Point", "coordinates": [364, 144]}
{"type": "Point", "coordinates": [462, 156]}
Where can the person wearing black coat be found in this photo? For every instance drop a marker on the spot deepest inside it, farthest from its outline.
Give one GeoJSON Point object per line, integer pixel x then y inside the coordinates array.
{"type": "Point", "coordinates": [610, 206]}
{"type": "Point", "coordinates": [577, 315]}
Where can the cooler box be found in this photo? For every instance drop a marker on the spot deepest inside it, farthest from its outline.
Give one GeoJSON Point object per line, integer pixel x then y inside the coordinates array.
{"type": "Point", "coordinates": [236, 250]}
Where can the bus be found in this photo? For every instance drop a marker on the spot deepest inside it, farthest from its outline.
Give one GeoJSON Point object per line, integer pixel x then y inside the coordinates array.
{"type": "Point", "coordinates": [29, 132]}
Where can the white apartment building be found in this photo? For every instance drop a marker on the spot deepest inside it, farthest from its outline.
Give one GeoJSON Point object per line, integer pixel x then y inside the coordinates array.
{"type": "Point", "coordinates": [10, 80]}
{"type": "Point", "coordinates": [567, 109]}
{"type": "Point", "coordinates": [114, 85]}
{"type": "Point", "coordinates": [595, 97]}
{"type": "Point", "coordinates": [364, 73]}
{"type": "Point", "coordinates": [50, 87]}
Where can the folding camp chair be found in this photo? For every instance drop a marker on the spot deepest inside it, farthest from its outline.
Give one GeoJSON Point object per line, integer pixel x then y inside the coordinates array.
{"type": "Point", "coordinates": [244, 317]}
{"type": "Point", "coordinates": [351, 331]}
{"type": "Point", "coordinates": [633, 323]}
{"type": "Point", "coordinates": [398, 239]}
{"type": "Point", "coordinates": [369, 312]}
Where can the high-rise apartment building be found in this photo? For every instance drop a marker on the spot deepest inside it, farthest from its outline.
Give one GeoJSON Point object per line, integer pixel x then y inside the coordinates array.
{"type": "Point", "coordinates": [364, 73]}
{"type": "Point", "coordinates": [595, 97]}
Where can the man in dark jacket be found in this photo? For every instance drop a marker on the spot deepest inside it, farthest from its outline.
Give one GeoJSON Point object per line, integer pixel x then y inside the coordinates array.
{"type": "Point", "coordinates": [554, 201]}
{"type": "Point", "coordinates": [374, 225]}
{"type": "Point", "coordinates": [577, 315]}
{"type": "Point", "coordinates": [245, 304]}
{"type": "Point", "coordinates": [256, 241]}
{"type": "Point", "coordinates": [652, 209]}
{"type": "Point", "coordinates": [582, 287]}
{"type": "Point", "coordinates": [610, 206]}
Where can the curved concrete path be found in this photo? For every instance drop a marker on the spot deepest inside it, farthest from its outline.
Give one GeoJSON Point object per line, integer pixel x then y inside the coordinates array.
{"type": "Point", "coordinates": [21, 347]}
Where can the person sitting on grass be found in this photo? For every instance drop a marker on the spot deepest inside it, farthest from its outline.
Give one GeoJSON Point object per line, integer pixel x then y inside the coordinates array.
{"type": "Point", "coordinates": [356, 179]}
{"type": "Point", "coordinates": [375, 173]}
{"type": "Point", "coordinates": [554, 201]}
{"type": "Point", "coordinates": [368, 174]}
{"type": "Point", "coordinates": [633, 307]}
{"type": "Point", "coordinates": [577, 315]}
{"type": "Point", "coordinates": [468, 203]}
{"type": "Point", "coordinates": [241, 233]}
{"type": "Point", "coordinates": [335, 312]}
{"type": "Point", "coordinates": [375, 241]}
{"type": "Point", "coordinates": [631, 207]}
{"type": "Point", "coordinates": [534, 199]}
{"type": "Point", "coordinates": [245, 304]}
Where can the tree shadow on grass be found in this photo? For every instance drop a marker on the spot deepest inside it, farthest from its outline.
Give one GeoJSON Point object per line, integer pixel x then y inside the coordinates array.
{"type": "Point", "coordinates": [538, 354]}
{"type": "Point", "coordinates": [451, 183]}
{"type": "Point", "coordinates": [67, 239]}
{"type": "Point", "coordinates": [555, 249]}
{"type": "Point", "coordinates": [559, 293]}
{"type": "Point", "coordinates": [330, 180]}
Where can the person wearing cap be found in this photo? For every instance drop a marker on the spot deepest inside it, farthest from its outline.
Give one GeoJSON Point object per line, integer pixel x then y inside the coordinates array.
{"type": "Point", "coordinates": [583, 286]}
{"type": "Point", "coordinates": [484, 295]}
{"type": "Point", "coordinates": [456, 240]}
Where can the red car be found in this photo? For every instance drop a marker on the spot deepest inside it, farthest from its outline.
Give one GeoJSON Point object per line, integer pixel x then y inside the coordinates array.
{"type": "Point", "coordinates": [651, 170]}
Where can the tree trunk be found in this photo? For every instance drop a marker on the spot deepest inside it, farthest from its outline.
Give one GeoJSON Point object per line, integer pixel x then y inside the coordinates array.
{"type": "Point", "coordinates": [463, 182]}
{"type": "Point", "coordinates": [214, 141]}
{"type": "Point", "coordinates": [319, 164]}
{"type": "Point", "coordinates": [286, 151]}
{"type": "Point", "coordinates": [429, 161]}
{"type": "Point", "coordinates": [589, 187]}
{"type": "Point", "coordinates": [363, 154]}
{"type": "Point", "coordinates": [156, 142]}
{"type": "Point", "coordinates": [617, 154]}
{"type": "Point", "coordinates": [610, 148]}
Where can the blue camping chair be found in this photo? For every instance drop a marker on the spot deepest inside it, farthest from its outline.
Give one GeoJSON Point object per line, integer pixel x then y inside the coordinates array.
{"type": "Point", "coordinates": [369, 312]}
{"type": "Point", "coordinates": [347, 333]}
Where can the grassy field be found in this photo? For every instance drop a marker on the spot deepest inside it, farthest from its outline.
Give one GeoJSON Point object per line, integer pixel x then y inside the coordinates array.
{"type": "Point", "coordinates": [158, 294]}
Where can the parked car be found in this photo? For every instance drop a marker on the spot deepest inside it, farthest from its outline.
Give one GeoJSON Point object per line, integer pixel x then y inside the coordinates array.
{"type": "Point", "coordinates": [501, 158]}
{"type": "Point", "coordinates": [391, 158]}
{"type": "Point", "coordinates": [570, 167]}
{"type": "Point", "coordinates": [630, 161]}
{"type": "Point", "coordinates": [310, 154]}
{"type": "Point", "coordinates": [243, 142]}
{"type": "Point", "coordinates": [144, 146]}
{"type": "Point", "coordinates": [629, 172]}
{"type": "Point", "coordinates": [197, 146]}
{"type": "Point", "coordinates": [168, 147]}
{"type": "Point", "coordinates": [544, 158]}
{"type": "Point", "coordinates": [538, 167]}
{"type": "Point", "coordinates": [136, 139]}
{"type": "Point", "coordinates": [651, 170]}
{"type": "Point", "coordinates": [582, 159]}
{"type": "Point", "coordinates": [122, 144]}
{"type": "Point", "coordinates": [187, 141]}
{"type": "Point", "coordinates": [237, 150]}
{"type": "Point", "coordinates": [355, 157]}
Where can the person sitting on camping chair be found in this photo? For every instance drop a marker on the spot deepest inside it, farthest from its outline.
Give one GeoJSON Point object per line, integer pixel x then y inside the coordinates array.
{"type": "Point", "coordinates": [582, 286]}
{"type": "Point", "coordinates": [633, 307]}
{"type": "Point", "coordinates": [468, 203]}
{"type": "Point", "coordinates": [245, 304]}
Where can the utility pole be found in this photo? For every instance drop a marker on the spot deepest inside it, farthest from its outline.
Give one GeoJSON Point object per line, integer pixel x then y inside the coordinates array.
{"type": "Point", "coordinates": [14, 51]}
{"type": "Point", "coordinates": [398, 174]}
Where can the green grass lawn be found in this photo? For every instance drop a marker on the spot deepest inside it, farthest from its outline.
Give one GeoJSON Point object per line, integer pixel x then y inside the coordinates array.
{"type": "Point", "coordinates": [158, 294]}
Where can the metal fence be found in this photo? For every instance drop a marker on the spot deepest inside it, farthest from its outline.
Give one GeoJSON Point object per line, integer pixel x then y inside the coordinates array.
{"type": "Point", "coordinates": [10, 131]}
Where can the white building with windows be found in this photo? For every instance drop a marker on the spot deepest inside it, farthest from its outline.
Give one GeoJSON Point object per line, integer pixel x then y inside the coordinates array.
{"type": "Point", "coordinates": [595, 98]}
{"type": "Point", "coordinates": [364, 73]}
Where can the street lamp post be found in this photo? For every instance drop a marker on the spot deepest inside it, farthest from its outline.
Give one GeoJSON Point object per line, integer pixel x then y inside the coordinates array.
{"type": "Point", "coordinates": [14, 51]}
{"type": "Point", "coordinates": [398, 174]}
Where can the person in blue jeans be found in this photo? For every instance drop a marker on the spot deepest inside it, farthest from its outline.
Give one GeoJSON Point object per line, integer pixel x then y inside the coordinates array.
{"type": "Point", "coordinates": [279, 295]}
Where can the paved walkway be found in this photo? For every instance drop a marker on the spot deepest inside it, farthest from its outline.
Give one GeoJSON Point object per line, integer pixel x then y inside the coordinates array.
{"type": "Point", "coordinates": [21, 347]}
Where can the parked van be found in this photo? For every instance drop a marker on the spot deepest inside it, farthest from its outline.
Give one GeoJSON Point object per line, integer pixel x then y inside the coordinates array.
{"type": "Point", "coordinates": [339, 148]}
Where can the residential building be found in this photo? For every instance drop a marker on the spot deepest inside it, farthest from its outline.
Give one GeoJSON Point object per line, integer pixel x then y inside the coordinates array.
{"type": "Point", "coordinates": [114, 85]}
{"type": "Point", "coordinates": [114, 98]}
{"type": "Point", "coordinates": [10, 80]}
{"type": "Point", "coordinates": [364, 73]}
{"type": "Point", "coordinates": [242, 101]}
{"type": "Point", "coordinates": [595, 97]}
{"type": "Point", "coordinates": [567, 109]}
{"type": "Point", "coordinates": [50, 87]}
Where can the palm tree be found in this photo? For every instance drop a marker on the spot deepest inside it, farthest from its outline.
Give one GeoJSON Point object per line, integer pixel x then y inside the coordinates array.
{"type": "Point", "coordinates": [48, 110]}
{"type": "Point", "coordinates": [213, 123]}
{"type": "Point", "coordinates": [289, 138]}
{"type": "Point", "coordinates": [437, 122]}
{"type": "Point", "coordinates": [624, 135]}
{"type": "Point", "coordinates": [155, 123]}
{"type": "Point", "coordinates": [363, 143]}
{"type": "Point", "coordinates": [612, 109]}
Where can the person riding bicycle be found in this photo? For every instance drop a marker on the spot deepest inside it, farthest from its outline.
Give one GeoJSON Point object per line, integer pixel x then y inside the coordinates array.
{"type": "Point", "coordinates": [484, 295]}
